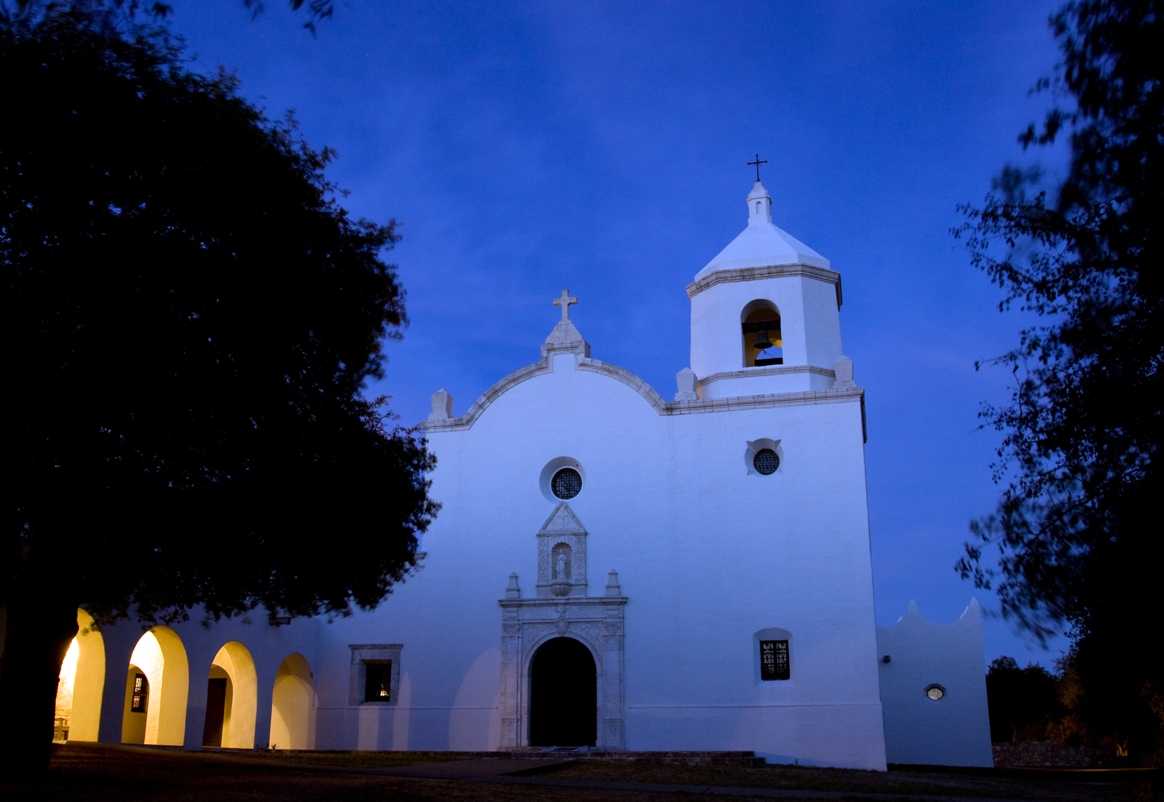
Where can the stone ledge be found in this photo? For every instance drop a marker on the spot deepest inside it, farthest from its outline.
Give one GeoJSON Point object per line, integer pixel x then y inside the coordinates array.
{"type": "Point", "coordinates": [554, 601]}
{"type": "Point", "coordinates": [768, 370]}
{"type": "Point", "coordinates": [771, 271]}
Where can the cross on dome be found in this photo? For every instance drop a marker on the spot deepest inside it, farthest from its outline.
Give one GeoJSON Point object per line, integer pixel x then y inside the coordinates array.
{"type": "Point", "coordinates": [566, 301]}
{"type": "Point", "coordinates": [757, 164]}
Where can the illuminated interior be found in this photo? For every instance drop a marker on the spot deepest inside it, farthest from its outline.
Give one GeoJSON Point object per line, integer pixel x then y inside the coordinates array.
{"type": "Point", "coordinates": [291, 705]}
{"type": "Point", "coordinates": [762, 340]}
{"type": "Point", "coordinates": [81, 680]}
{"type": "Point", "coordinates": [158, 713]}
{"type": "Point", "coordinates": [231, 699]}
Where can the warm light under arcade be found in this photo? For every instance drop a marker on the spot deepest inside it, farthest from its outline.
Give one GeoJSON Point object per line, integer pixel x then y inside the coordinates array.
{"type": "Point", "coordinates": [68, 678]}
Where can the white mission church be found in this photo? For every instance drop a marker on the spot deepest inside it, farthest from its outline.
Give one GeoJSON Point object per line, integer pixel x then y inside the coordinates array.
{"type": "Point", "coordinates": [610, 569]}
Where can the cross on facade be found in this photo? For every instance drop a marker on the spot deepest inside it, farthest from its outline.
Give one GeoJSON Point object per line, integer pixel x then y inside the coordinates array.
{"type": "Point", "coordinates": [757, 163]}
{"type": "Point", "coordinates": [565, 302]}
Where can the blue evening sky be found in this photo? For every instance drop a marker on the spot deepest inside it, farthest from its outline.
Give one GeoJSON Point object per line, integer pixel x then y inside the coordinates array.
{"type": "Point", "coordinates": [601, 146]}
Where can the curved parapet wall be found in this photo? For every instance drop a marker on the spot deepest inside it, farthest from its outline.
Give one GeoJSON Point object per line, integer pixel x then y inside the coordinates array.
{"type": "Point", "coordinates": [584, 363]}
{"type": "Point", "coordinates": [933, 690]}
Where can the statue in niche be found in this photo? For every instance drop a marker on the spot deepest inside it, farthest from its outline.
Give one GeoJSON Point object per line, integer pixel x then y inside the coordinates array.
{"type": "Point", "coordinates": [561, 563]}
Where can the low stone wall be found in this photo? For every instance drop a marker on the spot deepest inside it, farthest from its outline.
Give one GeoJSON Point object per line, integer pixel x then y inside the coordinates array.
{"type": "Point", "coordinates": [1048, 753]}
{"type": "Point", "coordinates": [686, 758]}
{"type": "Point", "coordinates": [727, 758]}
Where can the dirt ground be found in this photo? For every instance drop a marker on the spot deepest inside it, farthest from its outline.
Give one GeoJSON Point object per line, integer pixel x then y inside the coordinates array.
{"type": "Point", "coordinates": [106, 773]}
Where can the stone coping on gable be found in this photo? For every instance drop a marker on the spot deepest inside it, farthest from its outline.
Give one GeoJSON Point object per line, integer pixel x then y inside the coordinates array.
{"type": "Point", "coordinates": [770, 271]}
{"type": "Point", "coordinates": [700, 406]}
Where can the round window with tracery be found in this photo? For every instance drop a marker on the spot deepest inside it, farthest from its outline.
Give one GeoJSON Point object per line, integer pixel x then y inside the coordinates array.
{"type": "Point", "coordinates": [766, 461]}
{"type": "Point", "coordinates": [566, 483]}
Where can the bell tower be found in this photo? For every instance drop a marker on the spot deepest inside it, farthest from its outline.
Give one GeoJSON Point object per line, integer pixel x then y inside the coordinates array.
{"type": "Point", "coordinates": [765, 313]}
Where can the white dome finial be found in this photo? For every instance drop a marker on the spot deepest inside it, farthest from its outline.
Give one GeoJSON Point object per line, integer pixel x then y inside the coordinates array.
{"type": "Point", "coordinates": [762, 244]}
{"type": "Point", "coordinates": [759, 205]}
{"type": "Point", "coordinates": [759, 201]}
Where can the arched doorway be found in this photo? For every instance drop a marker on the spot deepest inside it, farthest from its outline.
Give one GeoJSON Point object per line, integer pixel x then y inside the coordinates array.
{"type": "Point", "coordinates": [155, 690]}
{"type": "Point", "coordinates": [81, 684]}
{"type": "Point", "coordinates": [231, 699]}
{"type": "Point", "coordinates": [291, 705]}
{"type": "Point", "coordinates": [563, 695]}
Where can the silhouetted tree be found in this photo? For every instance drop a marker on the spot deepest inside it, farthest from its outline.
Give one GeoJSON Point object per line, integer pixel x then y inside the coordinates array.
{"type": "Point", "coordinates": [1075, 531]}
{"type": "Point", "coordinates": [1022, 701]}
{"type": "Point", "coordinates": [129, 10]}
{"type": "Point", "coordinates": [190, 318]}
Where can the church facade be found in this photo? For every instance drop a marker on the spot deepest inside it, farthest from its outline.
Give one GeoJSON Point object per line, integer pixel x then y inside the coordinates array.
{"type": "Point", "coordinates": [610, 568]}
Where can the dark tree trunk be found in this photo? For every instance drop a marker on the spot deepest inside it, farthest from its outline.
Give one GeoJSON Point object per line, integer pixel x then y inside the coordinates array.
{"type": "Point", "coordinates": [39, 629]}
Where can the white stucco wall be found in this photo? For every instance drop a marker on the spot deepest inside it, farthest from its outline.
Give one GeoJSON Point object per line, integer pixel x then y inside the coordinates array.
{"type": "Point", "coordinates": [709, 554]}
{"type": "Point", "coordinates": [954, 730]}
{"type": "Point", "coordinates": [706, 554]}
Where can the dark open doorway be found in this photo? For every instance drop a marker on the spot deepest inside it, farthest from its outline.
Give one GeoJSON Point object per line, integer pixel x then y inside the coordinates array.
{"type": "Point", "coordinates": [563, 695]}
{"type": "Point", "coordinates": [219, 699]}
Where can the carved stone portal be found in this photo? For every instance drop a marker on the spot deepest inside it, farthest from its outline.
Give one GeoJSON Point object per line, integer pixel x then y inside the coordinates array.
{"type": "Point", "coordinates": [562, 609]}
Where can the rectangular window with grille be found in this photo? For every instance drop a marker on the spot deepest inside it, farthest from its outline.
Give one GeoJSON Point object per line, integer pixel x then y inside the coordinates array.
{"type": "Point", "coordinates": [141, 694]}
{"type": "Point", "coordinates": [774, 660]}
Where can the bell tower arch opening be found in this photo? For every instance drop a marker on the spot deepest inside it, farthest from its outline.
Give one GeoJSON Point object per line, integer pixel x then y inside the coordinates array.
{"type": "Point", "coordinates": [763, 343]}
{"type": "Point", "coordinates": [563, 695]}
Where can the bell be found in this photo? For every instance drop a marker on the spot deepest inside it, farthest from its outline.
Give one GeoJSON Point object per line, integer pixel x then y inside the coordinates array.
{"type": "Point", "coordinates": [762, 341]}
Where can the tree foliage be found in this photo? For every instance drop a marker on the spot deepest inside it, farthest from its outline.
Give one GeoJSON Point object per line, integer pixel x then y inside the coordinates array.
{"type": "Point", "coordinates": [115, 13]}
{"type": "Point", "coordinates": [190, 319]}
{"type": "Point", "coordinates": [1022, 701]}
{"type": "Point", "coordinates": [1073, 541]}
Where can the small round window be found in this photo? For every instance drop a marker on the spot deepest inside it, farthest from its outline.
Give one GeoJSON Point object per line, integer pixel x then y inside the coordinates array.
{"type": "Point", "coordinates": [566, 483]}
{"type": "Point", "coordinates": [766, 461]}
{"type": "Point", "coordinates": [935, 692]}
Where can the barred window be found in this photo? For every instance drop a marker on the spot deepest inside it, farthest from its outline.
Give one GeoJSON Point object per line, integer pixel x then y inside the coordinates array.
{"type": "Point", "coordinates": [774, 664]}
{"type": "Point", "coordinates": [566, 483]}
{"type": "Point", "coordinates": [766, 461]}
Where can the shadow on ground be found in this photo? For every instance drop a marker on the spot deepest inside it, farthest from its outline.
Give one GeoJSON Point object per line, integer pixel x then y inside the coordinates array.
{"type": "Point", "coordinates": [107, 773]}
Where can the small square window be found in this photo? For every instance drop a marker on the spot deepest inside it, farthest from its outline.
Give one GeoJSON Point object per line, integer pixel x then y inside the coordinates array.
{"type": "Point", "coordinates": [375, 677]}
{"type": "Point", "coordinates": [774, 660]}
{"type": "Point", "coordinates": [378, 682]}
